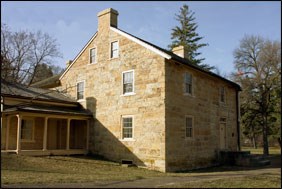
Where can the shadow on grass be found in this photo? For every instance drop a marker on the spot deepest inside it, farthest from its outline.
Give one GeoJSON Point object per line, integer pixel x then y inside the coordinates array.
{"type": "Point", "coordinates": [274, 159]}
{"type": "Point", "coordinates": [98, 160]}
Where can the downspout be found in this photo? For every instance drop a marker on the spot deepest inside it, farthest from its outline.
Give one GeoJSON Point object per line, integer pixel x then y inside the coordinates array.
{"type": "Point", "coordinates": [238, 120]}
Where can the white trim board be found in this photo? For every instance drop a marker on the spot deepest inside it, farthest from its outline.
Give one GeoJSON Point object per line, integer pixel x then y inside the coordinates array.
{"type": "Point", "coordinates": [147, 46]}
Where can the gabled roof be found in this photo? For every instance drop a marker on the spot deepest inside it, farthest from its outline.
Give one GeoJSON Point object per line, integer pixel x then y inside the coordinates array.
{"type": "Point", "coordinates": [170, 55]}
{"type": "Point", "coordinates": [27, 92]}
{"type": "Point", "coordinates": [158, 50]}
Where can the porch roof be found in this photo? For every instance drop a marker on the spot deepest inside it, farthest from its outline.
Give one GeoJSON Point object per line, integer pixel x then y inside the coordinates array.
{"type": "Point", "coordinates": [76, 111]}
{"type": "Point", "coordinates": [16, 90]}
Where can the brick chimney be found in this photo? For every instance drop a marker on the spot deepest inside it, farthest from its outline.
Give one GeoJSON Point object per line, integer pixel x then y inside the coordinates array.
{"type": "Point", "coordinates": [180, 51]}
{"type": "Point", "coordinates": [107, 18]}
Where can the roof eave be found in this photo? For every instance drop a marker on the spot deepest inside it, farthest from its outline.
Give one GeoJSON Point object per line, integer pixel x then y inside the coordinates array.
{"type": "Point", "coordinates": [38, 99]}
{"type": "Point", "coordinates": [238, 87]}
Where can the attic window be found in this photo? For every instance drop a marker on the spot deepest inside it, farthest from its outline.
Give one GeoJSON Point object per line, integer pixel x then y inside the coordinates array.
{"type": "Point", "coordinates": [188, 83]}
{"type": "Point", "coordinates": [114, 49]}
{"type": "Point", "coordinates": [92, 55]}
{"type": "Point", "coordinates": [222, 94]}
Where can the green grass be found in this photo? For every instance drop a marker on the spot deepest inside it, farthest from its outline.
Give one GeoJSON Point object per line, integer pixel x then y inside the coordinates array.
{"type": "Point", "coordinates": [62, 169]}
{"type": "Point", "coordinates": [260, 181]}
{"type": "Point", "coordinates": [82, 169]}
{"type": "Point", "coordinates": [272, 150]}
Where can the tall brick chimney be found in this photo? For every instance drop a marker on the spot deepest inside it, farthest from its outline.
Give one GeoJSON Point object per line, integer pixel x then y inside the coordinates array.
{"type": "Point", "coordinates": [180, 51]}
{"type": "Point", "coordinates": [107, 18]}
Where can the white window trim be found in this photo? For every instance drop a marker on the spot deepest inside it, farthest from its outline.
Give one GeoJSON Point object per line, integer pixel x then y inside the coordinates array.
{"type": "Point", "coordinates": [33, 128]}
{"type": "Point", "coordinates": [193, 128]}
{"type": "Point", "coordinates": [133, 84]}
{"type": "Point", "coordinates": [111, 49]}
{"type": "Point", "coordinates": [91, 63]}
{"type": "Point", "coordinates": [83, 99]}
{"type": "Point", "coordinates": [121, 124]}
{"type": "Point", "coordinates": [184, 85]}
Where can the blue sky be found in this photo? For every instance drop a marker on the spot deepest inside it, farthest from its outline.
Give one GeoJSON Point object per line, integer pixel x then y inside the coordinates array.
{"type": "Point", "coordinates": [222, 24]}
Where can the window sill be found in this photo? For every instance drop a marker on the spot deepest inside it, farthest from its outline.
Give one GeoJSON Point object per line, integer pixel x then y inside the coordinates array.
{"type": "Point", "coordinates": [127, 140]}
{"type": "Point", "coordinates": [81, 100]}
{"type": "Point", "coordinates": [189, 138]}
{"type": "Point", "coordinates": [128, 94]}
{"type": "Point", "coordinates": [188, 94]}
{"type": "Point", "coordinates": [91, 63]}
{"type": "Point", "coordinates": [114, 58]}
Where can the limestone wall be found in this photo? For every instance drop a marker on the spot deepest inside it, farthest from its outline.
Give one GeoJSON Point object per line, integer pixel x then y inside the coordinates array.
{"type": "Point", "coordinates": [103, 96]}
{"type": "Point", "coordinates": [205, 108]}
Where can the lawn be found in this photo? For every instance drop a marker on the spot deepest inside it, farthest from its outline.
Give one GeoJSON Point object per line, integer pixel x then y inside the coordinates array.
{"type": "Point", "coordinates": [261, 181]}
{"type": "Point", "coordinates": [83, 169]}
{"type": "Point", "coordinates": [272, 150]}
{"type": "Point", "coordinates": [63, 169]}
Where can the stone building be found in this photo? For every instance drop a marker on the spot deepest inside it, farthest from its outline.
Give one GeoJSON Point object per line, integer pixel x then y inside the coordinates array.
{"type": "Point", "coordinates": [151, 107]}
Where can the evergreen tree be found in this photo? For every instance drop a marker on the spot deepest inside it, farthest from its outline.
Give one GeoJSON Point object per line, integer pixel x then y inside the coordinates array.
{"type": "Point", "coordinates": [186, 35]}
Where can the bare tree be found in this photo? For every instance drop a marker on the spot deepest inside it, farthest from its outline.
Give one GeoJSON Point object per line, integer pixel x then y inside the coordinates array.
{"type": "Point", "coordinates": [259, 71]}
{"type": "Point", "coordinates": [23, 52]}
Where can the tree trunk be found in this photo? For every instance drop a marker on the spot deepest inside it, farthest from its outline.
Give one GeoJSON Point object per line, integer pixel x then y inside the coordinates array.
{"type": "Point", "coordinates": [265, 140]}
{"type": "Point", "coordinates": [254, 137]}
{"type": "Point", "coordinates": [254, 141]}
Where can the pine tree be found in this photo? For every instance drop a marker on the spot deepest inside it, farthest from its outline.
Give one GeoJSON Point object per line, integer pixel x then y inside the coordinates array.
{"type": "Point", "coordinates": [186, 35]}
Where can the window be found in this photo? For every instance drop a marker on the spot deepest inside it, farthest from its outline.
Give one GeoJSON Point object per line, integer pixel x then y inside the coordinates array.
{"type": "Point", "coordinates": [222, 94]}
{"type": "Point", "coordinates": [114, 49]}
{"type": "Point", "coordinates": [127, 127]}
{"type": "Point", "coordinates": [80, 90]}
{"type": "Point", "coordinates": [92, 56]}
{"type": "Point", "coordinates": [128, 83]}
{"type": "Point", "coordinates": [27, 129]}
{"type": "Point", "coordinates": [189, 127]}
{"type": "Point", "coordinates": [188, 83]}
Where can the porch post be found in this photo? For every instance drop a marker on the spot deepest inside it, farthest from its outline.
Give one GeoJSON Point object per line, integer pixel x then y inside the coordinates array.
{"type": "Point", "coordinates": [19, 133]}
{"type": "Point", "coordinates": [7, 132]}
{"type": "Point", "coordinates": [45, 134]}
{"type": "Point", "coordinates": [87, 134]}
{"type": "Point", "coordinates": [68, 134]}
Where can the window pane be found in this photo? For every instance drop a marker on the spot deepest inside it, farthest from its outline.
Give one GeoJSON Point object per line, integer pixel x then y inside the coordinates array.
{"type": "Point", "coordinates": [188, 83]}
{"type": "Point", "coordinates": [128, 82]}
{"type": "Point", "coordinates": [92, 55]}
{"type": "Point", "coordinates": [114, 53]}
{"type": "Point", "coordinates": [222, 94]}
{"type": "Point", "coordinates": [114, 49]}
{"type": "Point", "coordinates": [80, 90]}
{"type": "Point", "coordinates": [127, 127]}
{"type": "Point", "coordinates": [189, 127]}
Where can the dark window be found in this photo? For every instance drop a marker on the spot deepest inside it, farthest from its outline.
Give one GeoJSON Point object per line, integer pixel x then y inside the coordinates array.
{"type": "Point", "coordinates": [80, 90]}
{"type": "Point", "coordinates": [189, 127]}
